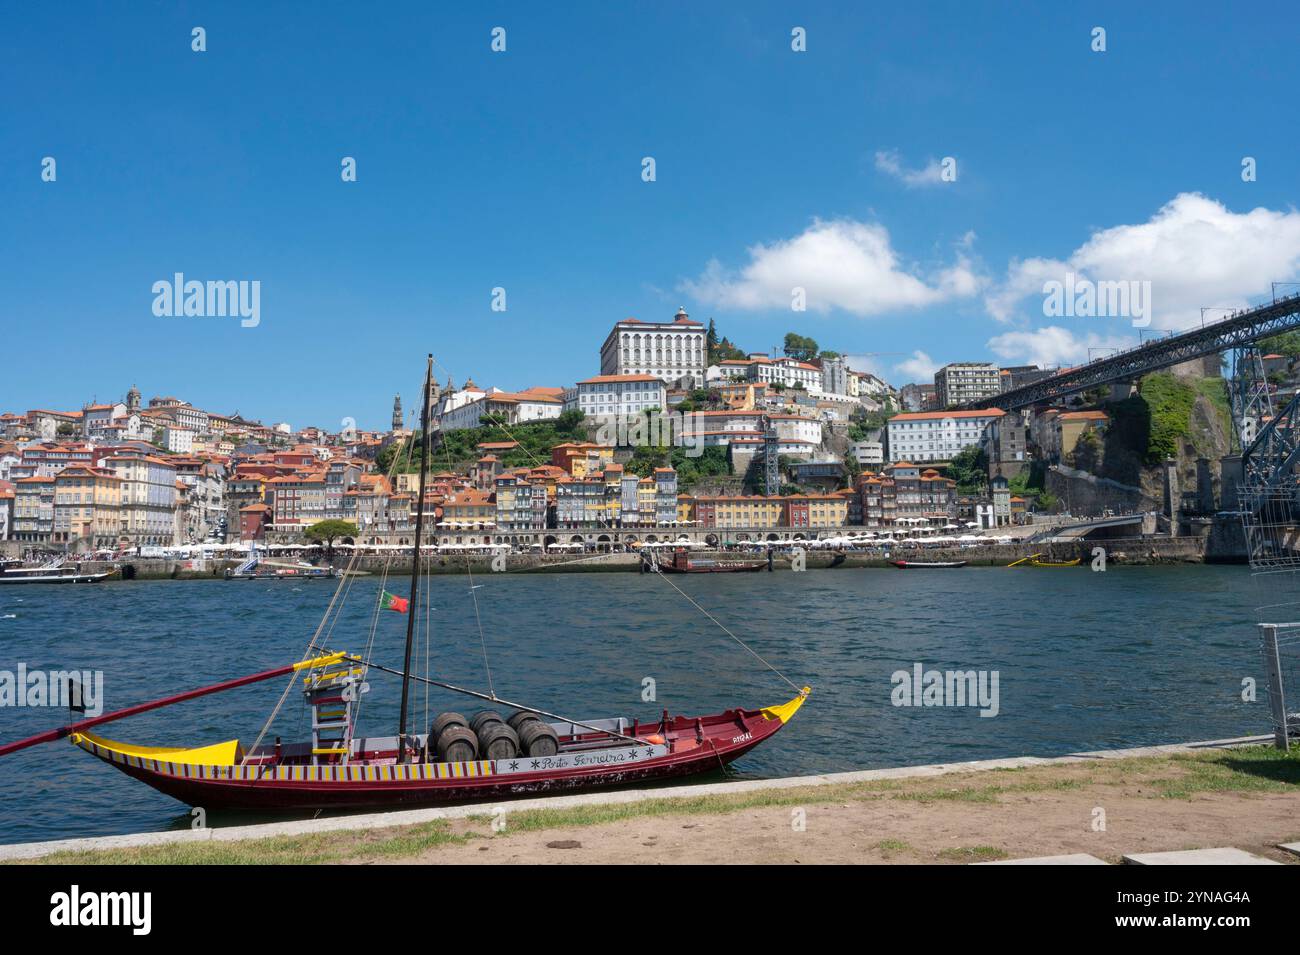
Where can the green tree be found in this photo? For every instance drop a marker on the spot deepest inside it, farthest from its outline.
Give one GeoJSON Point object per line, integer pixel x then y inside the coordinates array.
{"type": "Point", "coordinates": [329, 531]}
{"type": "Point", "coordinates": [800, 347]}
{"type": "Point", "coordinates": [969, 470]}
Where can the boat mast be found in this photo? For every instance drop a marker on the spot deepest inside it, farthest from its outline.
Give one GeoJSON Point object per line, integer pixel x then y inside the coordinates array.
{"type": "Point", "coordinates": [412, 612]}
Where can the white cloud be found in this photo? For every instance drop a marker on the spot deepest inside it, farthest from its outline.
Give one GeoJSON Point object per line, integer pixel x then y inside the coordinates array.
{"type": "Point", "coordinates": [1194, 251]}
{"type": "Point", "coordinates": [890, 163]}
{"type": "Point", "coordinates": [920, 367]}
{"type": "Point", "coordinates": [841, 264]}
{"type": "Point", "coordinates": [1052, 345]}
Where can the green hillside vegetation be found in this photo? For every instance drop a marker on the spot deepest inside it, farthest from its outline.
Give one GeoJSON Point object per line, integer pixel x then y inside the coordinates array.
{"type": "Point", "coordinates": [712, 462]}
{"type": "Point", "coordinates": [1155, 423]}
{"type": "Point", "coordinates": [458, 448]}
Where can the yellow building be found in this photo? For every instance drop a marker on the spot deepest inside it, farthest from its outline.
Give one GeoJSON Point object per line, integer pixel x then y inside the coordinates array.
{"type": "Point", "coordinates": [87, 507]}
{"type": "Point", "coordinates": [582, 458]}
{"type": "Point", "coordinates": [469, 508]}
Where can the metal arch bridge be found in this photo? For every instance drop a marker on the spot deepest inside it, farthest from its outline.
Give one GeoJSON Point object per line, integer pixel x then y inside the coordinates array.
{"type": "Point", "coordinates": [1238, 330]}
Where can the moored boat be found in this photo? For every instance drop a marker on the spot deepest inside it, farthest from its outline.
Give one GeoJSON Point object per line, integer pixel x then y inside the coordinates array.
{"type": "Point", "coordinates": [486, 757]}
{"type": "Point", "coordinates": [683, 563]}
{"type": "Point", "coordinates": [1033, 561]}
{"type": "Point", "coordinates": [257, 567]}
{"type": "Point", "coordinates": [927, 564]}
{"type": "Point", "coordinates": [55, 572]}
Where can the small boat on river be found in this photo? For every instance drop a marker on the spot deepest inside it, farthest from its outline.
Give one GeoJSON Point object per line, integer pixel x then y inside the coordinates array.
{"type": "Point", "coordinates": [1033, 561]}
{"type": "Point", "coordinates": [55, 572]}
{"type": "Point", "coordinates": [258, 567]}
{"type": "Point", "coordinates": [927, 564]}
{"type": "Point", "coordinates": [683, 563]}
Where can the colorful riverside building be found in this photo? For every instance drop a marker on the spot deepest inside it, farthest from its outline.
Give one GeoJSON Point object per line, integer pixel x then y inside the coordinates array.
{"type": "Point", "coordinates": [148, 504]}
{"type": "Point", "coordinates": [34, 509]}
{"type": "Point", "coordinates": [87, 508]}
{"type": "Point", "coordinates": [906, 491]}
{"type": "Point", "coordinates": [613, 498]}
{"type": "Point", "coordinates": [758, 511]}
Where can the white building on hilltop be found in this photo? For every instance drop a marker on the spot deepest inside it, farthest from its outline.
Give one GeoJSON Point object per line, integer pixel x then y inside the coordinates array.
{"type": "Point", "coordinates": [618, 395]}
{"type": "Point", "coordinates": [674, 351]}
{"type": "Point", "coordinates": [936, 435]}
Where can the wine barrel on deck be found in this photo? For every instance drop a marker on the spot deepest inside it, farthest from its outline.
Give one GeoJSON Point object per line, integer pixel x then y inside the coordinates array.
{"type": "Point", "coordinates": [498, 741]}
{"type": "Point", "coordinates": [443, 721]}
{"type": "Point", "coordinates": [520, 717]}
{"type": "Point", "coordinates": [538, 739]}
{"type": "Point", "coordinates": [482, 718]}
{"type": "Point", "coordinates": [457, 744]}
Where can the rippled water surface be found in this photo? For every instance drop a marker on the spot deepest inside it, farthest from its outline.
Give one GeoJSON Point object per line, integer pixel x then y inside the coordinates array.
{"type": "Point", "coordinates": [1086, 661]}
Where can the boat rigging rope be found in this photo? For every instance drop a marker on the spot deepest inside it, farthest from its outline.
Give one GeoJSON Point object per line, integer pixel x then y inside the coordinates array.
{"type": "Point", "coordinates": [312, 646]}
{"type": "Point", "coordinates": [798, 689]}
{"type": "Point", "coordinates": [378, 610]}
{"type": "Point", "coordinates": [469, 569]}
{"type": "Point", "coordinates": [337, 600]}
{"type": "Point", "coordinates": [742, 643]}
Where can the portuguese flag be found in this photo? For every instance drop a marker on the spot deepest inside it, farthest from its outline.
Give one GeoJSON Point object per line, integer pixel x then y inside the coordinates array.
{"type": "Point", "coordinates": [394, 602]}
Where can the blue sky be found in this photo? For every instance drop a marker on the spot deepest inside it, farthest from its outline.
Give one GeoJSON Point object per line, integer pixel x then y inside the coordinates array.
{"type": "Point", "coordinates": [522, 170]}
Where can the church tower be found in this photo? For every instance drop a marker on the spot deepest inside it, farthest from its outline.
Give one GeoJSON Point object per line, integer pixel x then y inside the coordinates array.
{"type": "Point", "coordinates": [133, 400]}
{"type": "Point", "coordinates": [397, 412]}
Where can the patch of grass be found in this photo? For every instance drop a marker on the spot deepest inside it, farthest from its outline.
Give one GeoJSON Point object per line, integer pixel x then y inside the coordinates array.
{"type": "Point", "coordinates": [537, 820]}
{"type": "Point", "coordinates": [973, 854]}
{"type": "Point", "coordinates": [1256, 770]}
{"type": "Point", "coordinates": [990, 793]}
{"type": "Point", "coordinates": [892, 845]}
{"type": "Point", "coordinates": [280, 850]}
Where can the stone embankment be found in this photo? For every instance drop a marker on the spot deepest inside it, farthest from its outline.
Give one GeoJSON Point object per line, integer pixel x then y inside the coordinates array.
{"type": "Point", "coordinates": [1118, 552]}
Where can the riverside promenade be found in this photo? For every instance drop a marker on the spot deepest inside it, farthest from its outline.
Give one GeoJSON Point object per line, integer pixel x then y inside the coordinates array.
{"type": "Point", "coordinates": [1136, 551]}
{"type": "Point", "coordinates": [1091, 806]}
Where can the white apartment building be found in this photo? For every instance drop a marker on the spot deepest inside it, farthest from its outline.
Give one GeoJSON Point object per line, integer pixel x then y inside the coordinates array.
{"type": "Point", "coordinates": [620, 394]}
{"type": "Point", "coordinates": [924, 436]}
{"type": "Point", "coordinates": [790, 427]}
{"type": "Point", "coordinates": [783, 371]}
{"type": "Point", "coordinates": [178, 440]}
{"type": "Point", "coordinates": [868, 453]}
{"type": "Point", "coordinates": [673, 351]}
{"type": "Point", "coordinates": [836, 377]}
{"type": "Point", "coordinates": [963, 381]}
{"type": "Point", "coordinates": [149, 498]}
{"type": "Point", "coordinates": [534, 404]}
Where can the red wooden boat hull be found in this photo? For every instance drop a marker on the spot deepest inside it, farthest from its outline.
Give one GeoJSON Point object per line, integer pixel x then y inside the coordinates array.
{"type": "Point", "coordinates": [689, 747]}
{"type": "Point", "coordinates": [719, 568]}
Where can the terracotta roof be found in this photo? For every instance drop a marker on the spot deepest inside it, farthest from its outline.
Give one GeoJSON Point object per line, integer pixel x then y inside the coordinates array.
{"type": "Point", "coordinates": [610, 379]}
{"type": "Point", "coordinates": [1085, 416]}
{"type": "Point", "coordinates": [940, 415]}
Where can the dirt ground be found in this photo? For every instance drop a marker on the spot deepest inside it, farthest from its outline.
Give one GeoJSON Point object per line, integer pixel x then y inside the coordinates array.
{"type": "Point", "coordinates": [946, 820]}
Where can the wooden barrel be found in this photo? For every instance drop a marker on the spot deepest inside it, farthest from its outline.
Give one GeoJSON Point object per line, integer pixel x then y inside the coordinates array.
{"type": "Point", "coordinates": [520, 717]}
{"type": "Point", "coordinates": [457, 744]}
{"type": "Point", "coordinates": [538, 739]}
{"type": "Point", "coordinates": [483, 718]}
{"type": "Point", "coordinates": [443, 721]}
{"type": "Point", "coordinates": [498, 741]}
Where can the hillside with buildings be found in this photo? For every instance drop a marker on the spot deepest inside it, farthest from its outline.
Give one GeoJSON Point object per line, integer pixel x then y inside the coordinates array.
{"type": "Point", "coordinates": [678, 427]}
